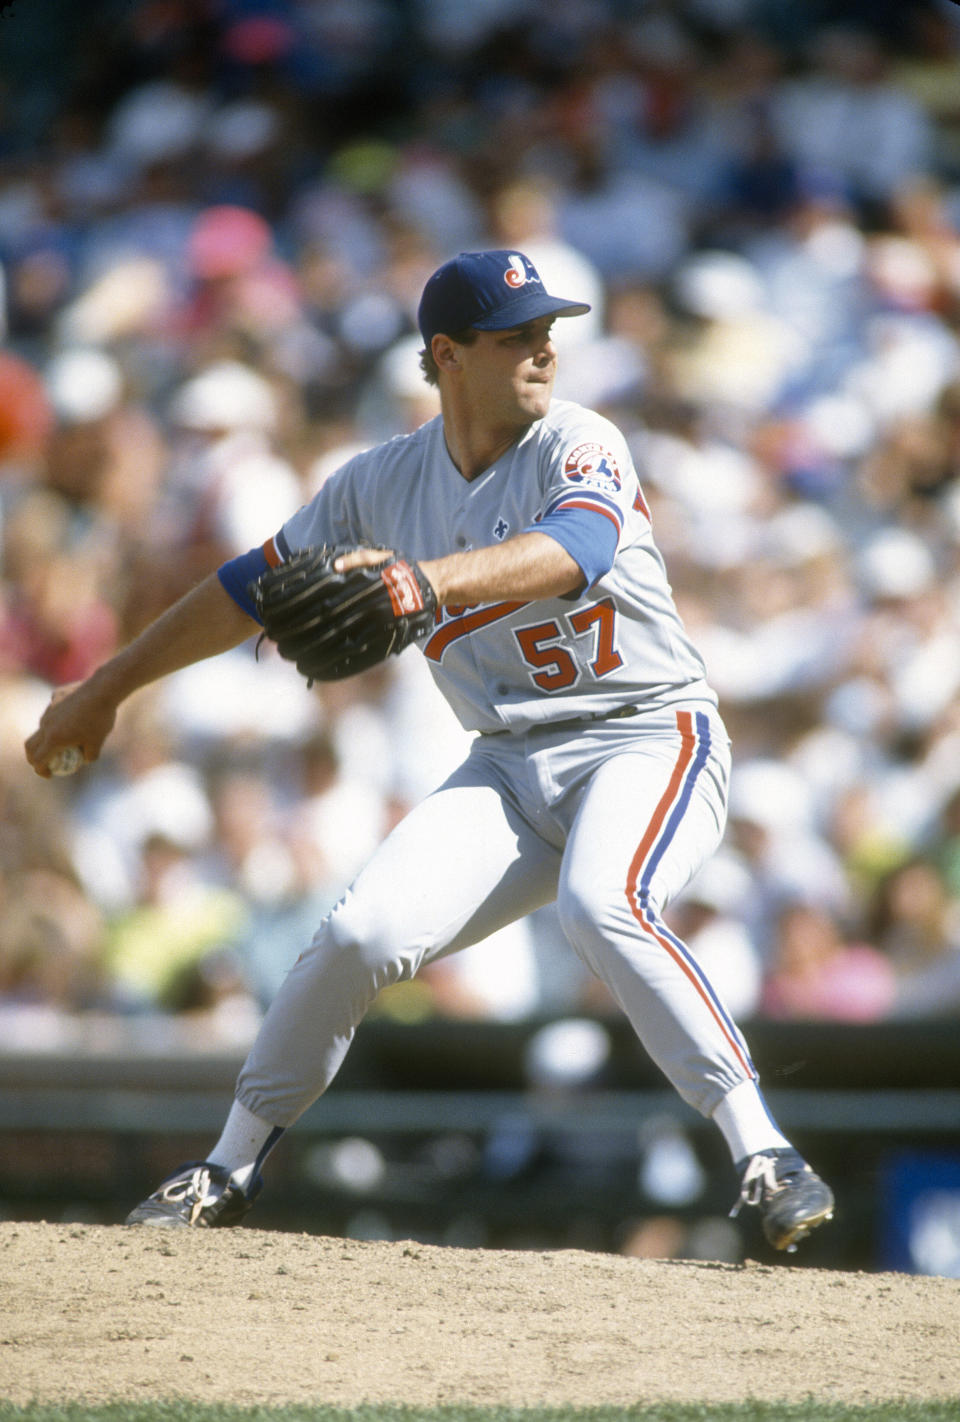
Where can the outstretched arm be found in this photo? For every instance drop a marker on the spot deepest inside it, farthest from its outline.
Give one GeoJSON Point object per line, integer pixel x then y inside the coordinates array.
{"type": "Point", "coordinates": [203, 623]}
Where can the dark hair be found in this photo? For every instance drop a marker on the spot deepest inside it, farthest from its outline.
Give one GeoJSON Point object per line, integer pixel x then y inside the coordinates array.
{"type": "Point", "coordinates": [428, 365]}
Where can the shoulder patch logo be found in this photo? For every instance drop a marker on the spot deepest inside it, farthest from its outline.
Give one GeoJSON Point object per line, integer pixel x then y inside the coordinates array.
{"type": "Point", "coordinates": [594, 466]}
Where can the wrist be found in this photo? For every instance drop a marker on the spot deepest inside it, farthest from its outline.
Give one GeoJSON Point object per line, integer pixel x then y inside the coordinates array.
{"type": "Point", "coordinates": [111, 683]}
{"type": "Point", "coordinates": [431, 570]}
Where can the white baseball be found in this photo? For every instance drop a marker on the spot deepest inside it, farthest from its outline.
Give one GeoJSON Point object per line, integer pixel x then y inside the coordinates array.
{"type": "Point", "coordinates": [65, 761]}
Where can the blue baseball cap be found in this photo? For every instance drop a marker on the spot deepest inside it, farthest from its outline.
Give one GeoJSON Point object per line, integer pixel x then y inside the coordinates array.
{"type": "Point", "coordinates": [489, 291]}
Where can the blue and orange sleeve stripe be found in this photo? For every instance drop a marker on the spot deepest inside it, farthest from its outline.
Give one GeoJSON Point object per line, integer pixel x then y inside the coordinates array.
{"type": "Point", "coordinates": [237, 574]}
{"type": "Point", "coordinates": [588, 529]}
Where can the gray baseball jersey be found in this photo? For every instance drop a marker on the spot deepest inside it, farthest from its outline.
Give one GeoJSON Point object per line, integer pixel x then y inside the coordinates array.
{"type": "Point", "coordinates": [512, 665]}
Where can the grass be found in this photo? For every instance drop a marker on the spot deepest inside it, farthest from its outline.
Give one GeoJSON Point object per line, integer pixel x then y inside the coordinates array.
{"type": "Point", "coordinates": [182, 1411]}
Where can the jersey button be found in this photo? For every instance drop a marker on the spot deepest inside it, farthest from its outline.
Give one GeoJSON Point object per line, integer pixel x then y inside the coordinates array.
{"type": "Point", "coordinates": [502, 688]}
{"type": "Point", "coordinates": [460, 540]}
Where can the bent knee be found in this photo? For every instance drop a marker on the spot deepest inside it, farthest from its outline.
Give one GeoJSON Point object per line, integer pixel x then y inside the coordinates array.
{"type": "Point", "coordinates": [580, 909]}
{"type": "Point", "coordinates": [591, 911]}
{"type": "Point", "coordinates": [369, 942]}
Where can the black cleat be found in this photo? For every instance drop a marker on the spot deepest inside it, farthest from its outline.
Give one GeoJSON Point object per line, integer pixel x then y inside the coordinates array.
{"type": "Point", "coordinates": [198, 1195]}
{"type": "Point", "coordinates": [792, 1200]}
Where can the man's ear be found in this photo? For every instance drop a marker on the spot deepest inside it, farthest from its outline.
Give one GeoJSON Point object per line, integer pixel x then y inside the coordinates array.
{"type": "Point", "coordinates": [445, 353]}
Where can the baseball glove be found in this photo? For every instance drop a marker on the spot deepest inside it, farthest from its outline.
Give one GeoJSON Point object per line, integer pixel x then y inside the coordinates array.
{"type": "Point", "coordinates": [333, 625]}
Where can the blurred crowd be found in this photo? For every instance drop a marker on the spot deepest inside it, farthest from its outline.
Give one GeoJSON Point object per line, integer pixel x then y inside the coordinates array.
{"type": "Point", "coordinates": [215, 222]}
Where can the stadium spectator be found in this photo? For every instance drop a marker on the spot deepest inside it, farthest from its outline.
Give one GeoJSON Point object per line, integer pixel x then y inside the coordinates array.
{"type": "Point", "coordinates": [917, 924]}
{"type": "Point", "coordinates": [816, 975]}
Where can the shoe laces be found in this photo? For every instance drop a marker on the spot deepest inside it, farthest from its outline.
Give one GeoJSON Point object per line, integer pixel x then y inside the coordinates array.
{"type": "Point", "coordinates": [759, 1180]}
{"type": "Point", "coordinates": [196, 1189]}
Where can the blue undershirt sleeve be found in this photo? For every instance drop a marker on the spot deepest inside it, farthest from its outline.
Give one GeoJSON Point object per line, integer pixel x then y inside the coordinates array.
{"type": "Point", "coordinates": [589, 538]}
{"type": "Point", "coordinates": [238, 573]}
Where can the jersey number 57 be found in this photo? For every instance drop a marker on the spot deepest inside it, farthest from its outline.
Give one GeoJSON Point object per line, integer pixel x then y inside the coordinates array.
{"type": "Point", "coordinates": [557, 669]}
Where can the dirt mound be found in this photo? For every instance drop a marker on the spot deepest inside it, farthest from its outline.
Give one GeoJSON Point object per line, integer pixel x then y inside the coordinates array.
{"type": "Point", "coordinates": [245, 1316]}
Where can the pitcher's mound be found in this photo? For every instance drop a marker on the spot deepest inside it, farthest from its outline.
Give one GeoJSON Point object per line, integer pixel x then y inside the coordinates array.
{"type": "Point", "coordinates": [247, 1317]}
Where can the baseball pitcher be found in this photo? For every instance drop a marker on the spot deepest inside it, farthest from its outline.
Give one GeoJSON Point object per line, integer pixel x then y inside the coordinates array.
{"type": "Point", "coordinates": [509, 538]}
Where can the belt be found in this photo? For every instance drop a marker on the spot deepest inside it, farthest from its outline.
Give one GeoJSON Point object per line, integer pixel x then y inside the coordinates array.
{"type": "Point", "coordinates": [575, 722]}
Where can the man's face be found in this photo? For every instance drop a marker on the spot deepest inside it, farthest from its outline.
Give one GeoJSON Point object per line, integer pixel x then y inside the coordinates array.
{"type": "Point", "coordinates": [509, 375]}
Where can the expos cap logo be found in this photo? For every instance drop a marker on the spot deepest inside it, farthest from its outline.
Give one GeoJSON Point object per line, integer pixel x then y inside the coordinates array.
{"type": "Point", "coordinates": [591, 464]}
{"type": "Point", "coordinates": [517, 273]}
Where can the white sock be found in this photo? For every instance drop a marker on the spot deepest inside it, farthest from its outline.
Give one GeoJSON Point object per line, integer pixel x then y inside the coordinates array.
{"type": "Point", "coordinates": [244, 1144]}
{"type": "Point", "coordinates": [746, 1123]}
